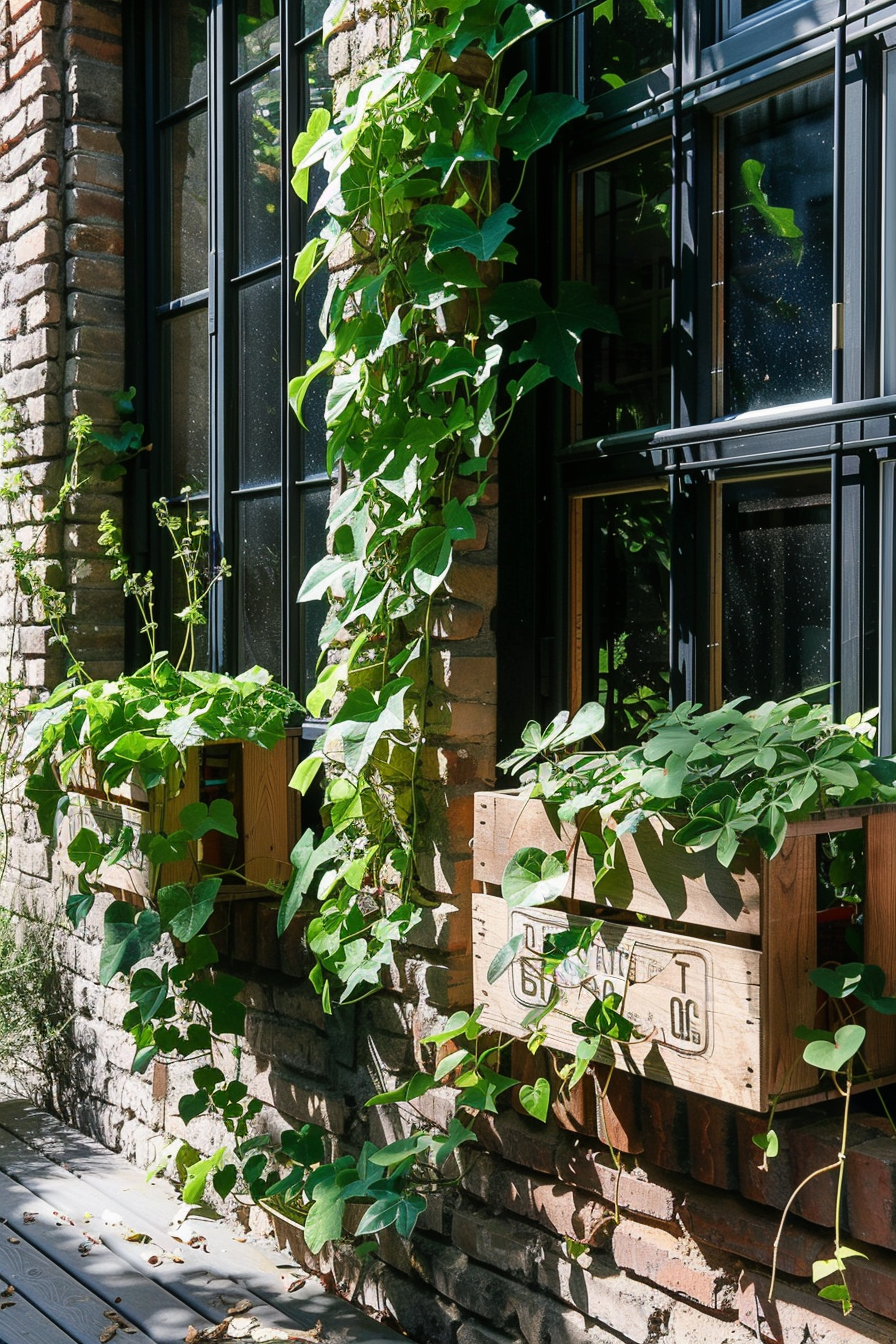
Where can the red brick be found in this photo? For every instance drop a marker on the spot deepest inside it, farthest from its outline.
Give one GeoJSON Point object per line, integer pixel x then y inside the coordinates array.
{"type": "Point", "coordinates": [665, 1126]}
{"type": "Point", "coordinates": [871, 1189]}
{"type": "Point", "coordinates": [95, 170]}
{"type": "Point", "coordinates": [37, 244]}
{"type": "Point", "coordinates": [465, 678]}
{"type": "Point", "coordinates": [739, 1228]}
{"type": "Point", "coordinates": [85, 205]}
{"type": "Point", "coordinates": [817, 1146]}
{"type": "Point", "coordinates": [457, 620]}
{"type": "Point", "coordinates": [798, 1316]}
{"type": "Point", "coordinates": [93, 18]}
{"type": "Point", "coordinates": [96, 48]}
{"type": "Point", "coordinates": [104, 276]}
{"type": "Point", "coordinates": [557, 1207]}
{"type": "Point", "coordinates": [776, 1185]}
{"type": "Point", "coordinates": [712, 1143]}
{"type": "Point", "coordinates": [473, 583]}
{"type": "Point", "coordinates": [674, 1263]}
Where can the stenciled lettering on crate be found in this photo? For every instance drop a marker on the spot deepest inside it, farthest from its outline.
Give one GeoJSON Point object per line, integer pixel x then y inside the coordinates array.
{"type": "Point", "coordinates": [690, 1000]}
{"type": "Point", "coordinates": [751, 935]}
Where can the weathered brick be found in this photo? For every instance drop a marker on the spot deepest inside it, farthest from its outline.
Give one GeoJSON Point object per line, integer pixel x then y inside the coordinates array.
{"type": "Point", "coordinates": [92, 18]}
{"type": "Point", "coordinates": [871, 1190]}
{"type": "Point", "coordinates": [739, 1228]}
{"type": "Point", "coordinates": [87, 205]}
{"type": "Point", "coordinates": [95, 170]}
{"type": "Point", "coordinates": [97, 275]}
{"type": "Point", "coordinates": [512, 1245]}
{"type": "Point", "coordinates": [106, 48]}
{"type": "Point", "coordinates": [674, 1263]}
{"type": "Point", "coordinates": [103, 240]}
{"type": "Point", "coordinates": [457, 620]}
{"type": "Point", "coordinates": [37, 244]}
{"type": "Point", "coordinates": [39, 207]}
{"type": "Point", "coordinates": [465, 678]}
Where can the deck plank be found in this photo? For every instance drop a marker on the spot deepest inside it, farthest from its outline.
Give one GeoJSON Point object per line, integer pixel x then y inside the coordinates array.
{"type": "Point", "coordinates": [88, 1177]}
{"type": "Point", "coordinates": [55, 1293]}
{"type": "Point", "coordinates": [142, 1301]}
{"type": "Point", "coordinates": [21, 1322]}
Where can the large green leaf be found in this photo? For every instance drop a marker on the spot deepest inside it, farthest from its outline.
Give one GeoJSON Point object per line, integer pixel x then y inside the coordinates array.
{"type": "Point", "coordinates": [452, 228]}
{"type": "Point", "coordinates": [128, 938]}
{"type": "Point", "coordinates": [532, 122]}
{"type": "Point", "coordinates": [833, 1055]}
{"type": "Point", "coordinates": [779, 219]}
{"type": "Point", "coordinates": [184, 910]}
{"type": "Point", "coordinates": [533, 877]}
{"type": "Point", "coordinates": [557, 330]}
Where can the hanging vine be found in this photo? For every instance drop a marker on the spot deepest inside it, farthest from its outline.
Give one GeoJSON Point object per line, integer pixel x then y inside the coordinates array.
{"type": "Point", "coordinates": [426, 367]}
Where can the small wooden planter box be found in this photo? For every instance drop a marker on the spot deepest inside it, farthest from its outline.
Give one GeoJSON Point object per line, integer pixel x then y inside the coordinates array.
{"type": "Point", "coordinates": [717, 978]}
{"type": "Point", "coordinates": [267, 813]}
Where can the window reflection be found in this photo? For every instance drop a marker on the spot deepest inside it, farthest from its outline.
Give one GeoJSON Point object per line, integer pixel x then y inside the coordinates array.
{"type": "Point", "coordinates": [258, 115]}
{"type": "Point", "coordinates": [258, 32]}
{"type": "Point", "coordinates": [628, 258]}
{"type": "Point", "coordinates": [620, 614]}
{"type": "Point", "coordinates": [779, 184]}
{"type": "Point", "coordinates": [628, 39]}
{"type": "Point", "coordinates": [776, 583]}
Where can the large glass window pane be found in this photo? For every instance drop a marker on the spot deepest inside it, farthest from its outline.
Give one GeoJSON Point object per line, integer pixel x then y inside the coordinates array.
{"type": "Point", "coordinates": [317, 74]}
{"type": "Point", "coordinates": [185, 371]}
{"type": "Point", "coordinates": [889, 232]}
{"type": "Point", "coordinates": [313, 15]}
{"type": "Point", "coordinates": [258, 32]}
{"type": "Point", "coordinates": [260, 383]}
{"type": "Point", "coordinates": [185, 71]}
{"type": "Point", "coordinates": [776, 586]}
{"type": "Point", "coordinates": [185, 151]}
{"type": "Point", "coordinates": [257, 570]}
{"type": "Point", "coordinates": [258, 115]}
{"type": "Point", "coordinates": [628, 258]}
{"type": "Point", "coordinates": [779, 184]}
{"type": "Point", "coordinates": [620, 607]}
{"type": "Point", "coordinates": [625, 41]}
{"type": "Point", "coordinates": [191, 643]}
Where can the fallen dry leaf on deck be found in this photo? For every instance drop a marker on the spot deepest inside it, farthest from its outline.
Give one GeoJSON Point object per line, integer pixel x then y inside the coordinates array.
{"type": "Point", "coordinates": [28, 1217]}
{"type": "Point", "coordinates": [13, 1240]}
{"type": "Point", "coordinates": [8, 1291]}
{"type": "Point", "coordinates": [106, 1335]}
{"type": "Point", "coordinates": [240, 1307]}
{"type": "Point", "coordinates": [6, 1304]}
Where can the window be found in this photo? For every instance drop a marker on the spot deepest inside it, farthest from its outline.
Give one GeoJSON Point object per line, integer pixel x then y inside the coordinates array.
{"type": "Point", "coordinates": [732, 196]}
{"type": "Point", "coordinates": [227, 85]}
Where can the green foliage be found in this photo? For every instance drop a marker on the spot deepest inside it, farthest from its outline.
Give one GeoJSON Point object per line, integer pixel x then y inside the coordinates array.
{"type": "Point", "coordinates": [729, 774]}
{"type": "Point", "coordinates": [417, 341]}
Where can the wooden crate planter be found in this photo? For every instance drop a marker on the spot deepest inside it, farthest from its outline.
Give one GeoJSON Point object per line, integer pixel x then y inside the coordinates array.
{"type": "Point", "coordinates": [267, 813]}
{"type": "Point", "coordinates": [717, 978]}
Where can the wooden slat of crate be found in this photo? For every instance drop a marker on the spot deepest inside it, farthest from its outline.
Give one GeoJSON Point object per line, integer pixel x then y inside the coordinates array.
{"type": "Point", "coordinates": [879, 928]}
{"type": "Point", "coordinates": [653, 876]}
{"type": "Point", "coordinates": [789, 925]}
{"type": "Point", "coordinates": [105, 817]}
{"type": "Point", "coordinates": [265, 814]}
{"type": "Point", "coordinates": [699, 1001]}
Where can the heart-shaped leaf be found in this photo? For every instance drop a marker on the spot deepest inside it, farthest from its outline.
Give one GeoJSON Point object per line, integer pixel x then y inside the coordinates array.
{"type": "Point", "coordinates": [533, 877]}
{"type": "Point", "coordinates": [833, 1055]}
{"type": "Point", "coordinates": [129, 937]}
{"type": "Point", "coordinates": [536, 1098]}
{"type": "Point", "coordinates": [767, 1142]}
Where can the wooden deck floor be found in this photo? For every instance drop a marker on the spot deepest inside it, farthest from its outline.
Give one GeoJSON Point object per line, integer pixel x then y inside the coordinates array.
{"type": "Point", "coordinates": [88, 1254]}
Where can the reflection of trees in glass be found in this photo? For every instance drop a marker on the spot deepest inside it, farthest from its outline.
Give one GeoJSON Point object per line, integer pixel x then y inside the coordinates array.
{"type": "Point", "coordinates": [629, 39]}
{"type": "Point", "coordinates": [625, 608]}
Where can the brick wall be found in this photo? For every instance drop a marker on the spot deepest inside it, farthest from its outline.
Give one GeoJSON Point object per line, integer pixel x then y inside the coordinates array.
{"type": "Point", "coordinates": [541, 1238]}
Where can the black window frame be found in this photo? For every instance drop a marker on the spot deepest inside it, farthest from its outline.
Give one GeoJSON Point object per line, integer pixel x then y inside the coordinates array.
{"type": "Point", "coordinates": [297, 331]}
{"type": "Point", "coordinates": [712, 74]}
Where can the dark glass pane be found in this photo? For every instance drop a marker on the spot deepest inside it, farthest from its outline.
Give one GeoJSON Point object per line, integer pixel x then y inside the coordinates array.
{"type": "Point", "coordinates": [258, 32]}
{"type": "Point", "coordinates": [779, 174]}
{"type": "Point", "coordinates": [186, 67]}
{"type": "Point", "coordinates": [628, 258]}
{"type": "Point", "coordinates": [260, 383]}
{"type": "Point", "coordinates": [750, 7]}
{"type": "Point", "coordinates": [313, 15]}
{"type": "Point", "coordinates": [317, 74]}
{"type": "Point", "coordinates": [624, 42]}
{"type": "Point", "coordinates": [257, 570]}
{"type": "Point", "coordinates": [776, 586]}
{"type": "Point", "coordinates": [258, 113]}
{"type": "Point", "coordinates": [622, 622]}
{"type": "Point", "coordinates": [185, 365]}
{"type": "Point", "coordinates": [315, 506]}
{"type": "Point", "coordinates": [184, 150]}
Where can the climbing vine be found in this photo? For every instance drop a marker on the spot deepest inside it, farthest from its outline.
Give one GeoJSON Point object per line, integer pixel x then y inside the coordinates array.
{"type": "Point", "coordinates": [428, 354]}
